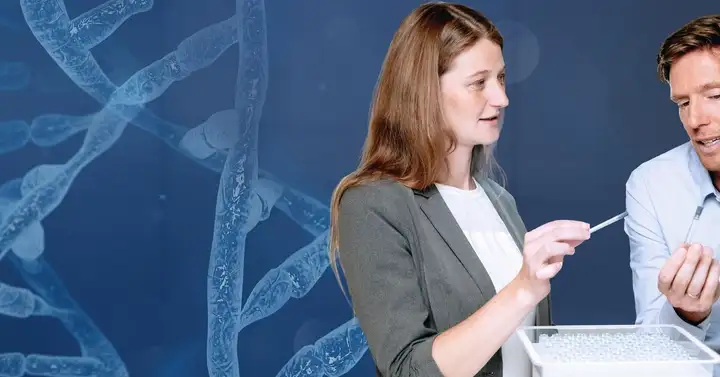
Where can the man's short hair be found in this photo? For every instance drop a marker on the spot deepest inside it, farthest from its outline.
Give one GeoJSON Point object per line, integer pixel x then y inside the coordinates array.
{"type": "Point", "coordinates": [698, 34]}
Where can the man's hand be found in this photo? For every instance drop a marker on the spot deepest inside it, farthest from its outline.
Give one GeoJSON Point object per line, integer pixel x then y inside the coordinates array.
{"type": "Point", "coordinates": [689, 280]}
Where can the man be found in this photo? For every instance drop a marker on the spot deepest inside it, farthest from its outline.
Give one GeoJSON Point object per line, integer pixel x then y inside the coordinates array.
{"type": "Point", "coordinates": [673, 201]}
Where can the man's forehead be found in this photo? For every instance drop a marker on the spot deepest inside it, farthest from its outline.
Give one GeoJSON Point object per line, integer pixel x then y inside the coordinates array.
{"type": "Point", "coordinates": [696, 72]}
{"type": "Point", "coordinates": [697, 88]}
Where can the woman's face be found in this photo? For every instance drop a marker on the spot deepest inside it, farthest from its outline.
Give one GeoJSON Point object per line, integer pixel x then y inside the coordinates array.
{"type": "Point", "coordinates": [473, 94]}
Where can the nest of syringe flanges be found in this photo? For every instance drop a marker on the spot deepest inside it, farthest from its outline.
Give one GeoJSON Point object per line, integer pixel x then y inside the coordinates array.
{"type": "Point", "coordinates": [617, 351]}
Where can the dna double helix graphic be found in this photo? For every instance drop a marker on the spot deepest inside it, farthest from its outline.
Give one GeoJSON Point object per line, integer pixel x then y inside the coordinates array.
{"type": "Point", "coordinates": [226, 143]}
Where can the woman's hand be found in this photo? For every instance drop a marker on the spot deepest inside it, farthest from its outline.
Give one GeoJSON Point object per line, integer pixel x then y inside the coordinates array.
{"type": "Point", "coordinates": [543, 253]}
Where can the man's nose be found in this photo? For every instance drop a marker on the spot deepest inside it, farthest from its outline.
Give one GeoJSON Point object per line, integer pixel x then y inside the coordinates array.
{"type": "Point", "coordinates": [698, 115]}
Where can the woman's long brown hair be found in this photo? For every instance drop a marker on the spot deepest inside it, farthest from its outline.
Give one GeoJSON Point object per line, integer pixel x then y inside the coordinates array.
{"type": "Point", "coordinates": [407, 140]}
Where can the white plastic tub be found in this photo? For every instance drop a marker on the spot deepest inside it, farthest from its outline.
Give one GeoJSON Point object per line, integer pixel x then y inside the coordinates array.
{"type": "Point", "coordinates": [616, 351]}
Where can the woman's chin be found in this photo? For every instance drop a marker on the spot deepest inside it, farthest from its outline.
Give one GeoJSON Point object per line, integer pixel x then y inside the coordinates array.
{"type": "Point", "coordinates": [487, 138]}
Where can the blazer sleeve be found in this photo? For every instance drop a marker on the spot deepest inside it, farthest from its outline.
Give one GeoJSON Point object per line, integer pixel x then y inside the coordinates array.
{"type": "Point", "coordinates": [375, 253]}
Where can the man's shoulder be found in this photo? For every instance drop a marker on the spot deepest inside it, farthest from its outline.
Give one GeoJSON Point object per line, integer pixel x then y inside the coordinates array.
{"type": "Point", "coordinates": [669, 164]}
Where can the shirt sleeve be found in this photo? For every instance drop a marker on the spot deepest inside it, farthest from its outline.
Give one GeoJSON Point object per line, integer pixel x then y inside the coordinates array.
{"type": "Point", "coordinates": [375, 253]}
{"type": "Point", "coordinates": [648, 254]}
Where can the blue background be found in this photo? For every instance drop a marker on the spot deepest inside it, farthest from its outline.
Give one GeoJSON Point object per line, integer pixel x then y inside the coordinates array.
{"type": "Point", "coordinates": [107, 263]}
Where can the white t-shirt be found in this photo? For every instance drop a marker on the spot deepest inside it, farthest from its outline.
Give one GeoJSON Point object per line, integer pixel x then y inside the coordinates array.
{"type": "Point", "coordinates": [493, 244]}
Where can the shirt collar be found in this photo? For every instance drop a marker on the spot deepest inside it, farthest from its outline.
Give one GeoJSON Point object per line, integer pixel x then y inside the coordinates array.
{"type": "Point", "coordinates": [701, 177]}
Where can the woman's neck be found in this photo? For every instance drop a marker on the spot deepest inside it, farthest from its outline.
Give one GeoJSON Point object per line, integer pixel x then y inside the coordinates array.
{"type": "Point", "coordinates": [458, 173]}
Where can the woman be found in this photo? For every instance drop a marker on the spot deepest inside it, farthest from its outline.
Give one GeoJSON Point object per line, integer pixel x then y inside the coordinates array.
{"type": "Point", "coordinates": [438, 265]}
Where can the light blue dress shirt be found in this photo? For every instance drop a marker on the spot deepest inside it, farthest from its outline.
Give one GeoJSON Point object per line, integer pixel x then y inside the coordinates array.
{"type": "Point", "coordinates": [662, 195]}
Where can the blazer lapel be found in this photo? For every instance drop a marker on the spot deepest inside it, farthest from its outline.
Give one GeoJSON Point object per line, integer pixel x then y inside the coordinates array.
{"type": "Point", "coordinates": [511, 222]}
{"type": "Point", "coordinates": [543, 312]}
{"type": "Point", "coordinates": [442, 219]}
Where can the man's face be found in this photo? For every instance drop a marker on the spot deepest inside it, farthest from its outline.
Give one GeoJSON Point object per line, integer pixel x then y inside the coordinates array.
{"type": "Point", "coordinates": [695, 88]}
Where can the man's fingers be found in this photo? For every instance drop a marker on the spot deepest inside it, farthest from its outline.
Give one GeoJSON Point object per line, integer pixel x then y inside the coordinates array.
{"type": "Point", "coordinates": [684, 275]}
{"type": "Point", "coordinates": [697, 281]}
{"type": "Point", "coordinates": [670, 269]}
{"type": "Point", "coordinates": [709, 292]}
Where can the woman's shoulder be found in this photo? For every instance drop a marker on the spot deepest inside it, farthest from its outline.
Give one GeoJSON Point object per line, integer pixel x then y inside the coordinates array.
{"type": "Point", "coordinates": [381, 193]}
{"type": "Point", "coordinates": [386, 198]}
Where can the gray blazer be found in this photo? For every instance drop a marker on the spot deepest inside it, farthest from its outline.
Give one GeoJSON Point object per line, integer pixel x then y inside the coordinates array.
{"type": "Point", "coordinates": [412, 274]}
